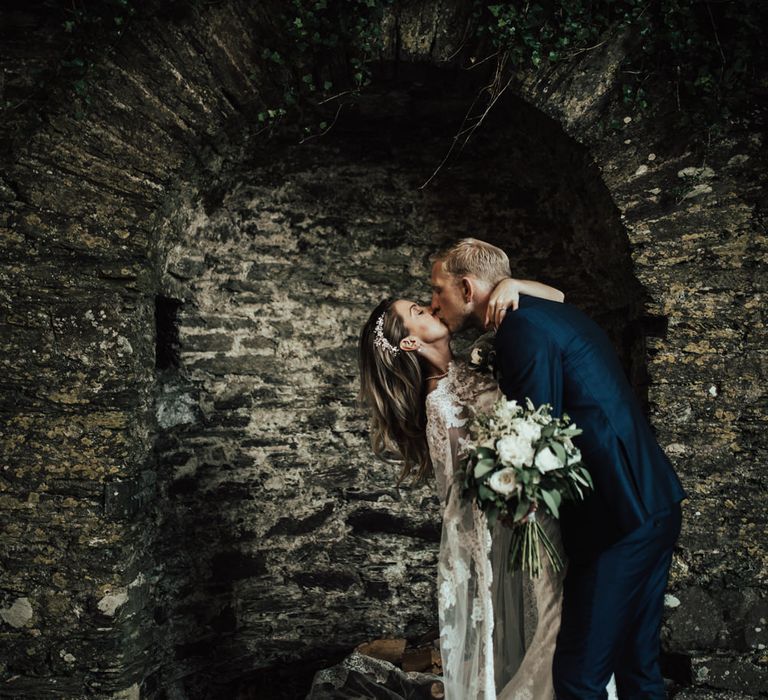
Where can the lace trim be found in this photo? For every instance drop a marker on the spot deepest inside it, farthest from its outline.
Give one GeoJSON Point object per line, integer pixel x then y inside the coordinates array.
{"type": "Point", "coordinates": [464, 383]}
{"type": "Point", "coordinates": [441, 402]}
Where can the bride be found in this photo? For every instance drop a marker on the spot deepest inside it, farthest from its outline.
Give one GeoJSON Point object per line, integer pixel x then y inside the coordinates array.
{"type": "Point", "coordinates": [419, 399]}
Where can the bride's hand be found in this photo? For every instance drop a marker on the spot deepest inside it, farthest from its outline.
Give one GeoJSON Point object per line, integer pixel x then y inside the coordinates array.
{"type": "Point", "coordinates": [505, 294]}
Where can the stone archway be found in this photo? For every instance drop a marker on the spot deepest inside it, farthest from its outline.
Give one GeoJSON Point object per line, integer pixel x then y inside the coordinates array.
{"type": "Point", "coordinates": [95, 208]}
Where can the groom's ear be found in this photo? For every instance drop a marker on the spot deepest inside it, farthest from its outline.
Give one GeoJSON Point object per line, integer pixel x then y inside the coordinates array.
{"type": "Point", "coordinates": [467, 289]}
{"type": "Point", "coordinates": [410, 343]}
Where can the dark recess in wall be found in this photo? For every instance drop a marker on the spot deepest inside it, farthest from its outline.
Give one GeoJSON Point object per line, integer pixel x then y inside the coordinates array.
{"type": "Point", "coordinates": [166, 332]}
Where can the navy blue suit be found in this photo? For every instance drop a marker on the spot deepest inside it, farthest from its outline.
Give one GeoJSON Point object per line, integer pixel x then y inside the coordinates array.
{"type": "Point", "coordinates": [619, 540]}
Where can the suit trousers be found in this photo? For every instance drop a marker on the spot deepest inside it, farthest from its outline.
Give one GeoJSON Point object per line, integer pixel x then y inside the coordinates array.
{"type": "Point", "coordinates": [611, 620]}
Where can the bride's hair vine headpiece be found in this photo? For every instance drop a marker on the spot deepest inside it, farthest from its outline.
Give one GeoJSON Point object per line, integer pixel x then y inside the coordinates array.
{"type": "Point", "coordinates": [380, 341]}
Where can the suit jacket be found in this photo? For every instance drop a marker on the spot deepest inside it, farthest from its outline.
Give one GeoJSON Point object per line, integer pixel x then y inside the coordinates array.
{"type": "Point", "coordinates": [554, 353]}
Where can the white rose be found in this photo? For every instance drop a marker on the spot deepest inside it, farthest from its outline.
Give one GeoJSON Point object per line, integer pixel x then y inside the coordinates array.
{"type": "Point", "coordinates": [527, 429]}
{"type": "Point", "coordinates": [503, 481]}
{"type": "Point", "coordinates": [514, 450]}
{"type": "Point", "coordinates": [547, 460]}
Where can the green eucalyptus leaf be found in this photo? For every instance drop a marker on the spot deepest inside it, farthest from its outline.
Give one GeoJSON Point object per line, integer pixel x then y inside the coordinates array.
{"type": "Point", "coordinates": [485, 452]}
{"type": "Point", "coordinates": [485, 493]}
{"type": "Point", "coordinates": [522, 509]}
{"type": "Point", "coordinates": [559, 450]}
{"type": "Point", "coordinates": [549, 499]}
{"type": "Point", "coordinates": [483, 467]}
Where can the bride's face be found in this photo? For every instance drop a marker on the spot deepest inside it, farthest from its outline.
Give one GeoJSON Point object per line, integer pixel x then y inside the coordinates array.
{"type": "Point", "coordinates": [420, 321]}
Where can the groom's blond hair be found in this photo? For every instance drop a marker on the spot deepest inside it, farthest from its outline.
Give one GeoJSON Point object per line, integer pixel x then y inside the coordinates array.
{"type": "Point", "coordinates": [470, 256]}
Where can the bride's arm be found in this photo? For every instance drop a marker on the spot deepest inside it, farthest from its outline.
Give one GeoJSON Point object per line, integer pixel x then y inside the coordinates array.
{"type": "Point", "coordinates": [507, 293]}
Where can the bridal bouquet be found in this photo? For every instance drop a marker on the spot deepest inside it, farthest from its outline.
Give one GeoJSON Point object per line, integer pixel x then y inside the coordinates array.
{"type": "Point", "coordinates": [517, 461]}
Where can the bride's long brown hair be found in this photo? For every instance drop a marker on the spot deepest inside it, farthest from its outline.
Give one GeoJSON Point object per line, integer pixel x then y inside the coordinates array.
{"type": "Point", "coordinates": [392, 388]}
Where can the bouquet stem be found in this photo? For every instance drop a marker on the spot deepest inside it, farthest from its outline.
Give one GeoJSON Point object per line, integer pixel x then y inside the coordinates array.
{"type": "Point", "coordinates": [524, 552]}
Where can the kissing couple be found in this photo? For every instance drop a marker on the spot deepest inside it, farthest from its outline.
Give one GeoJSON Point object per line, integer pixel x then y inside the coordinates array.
{"type": "Point", "coordinates": [592, 628]}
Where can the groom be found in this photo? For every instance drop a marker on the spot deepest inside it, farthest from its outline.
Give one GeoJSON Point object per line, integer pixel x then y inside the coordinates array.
{"type": "Point", "coordinates": [619, 540]}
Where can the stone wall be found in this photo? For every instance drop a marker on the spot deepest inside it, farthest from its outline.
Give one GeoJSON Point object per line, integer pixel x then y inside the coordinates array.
{"type": "Point", "coordinates": [178, 518]}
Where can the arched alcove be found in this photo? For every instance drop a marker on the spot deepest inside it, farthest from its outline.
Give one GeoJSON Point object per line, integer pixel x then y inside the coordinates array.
{"type": "Point", "coordinates": [282, 542]}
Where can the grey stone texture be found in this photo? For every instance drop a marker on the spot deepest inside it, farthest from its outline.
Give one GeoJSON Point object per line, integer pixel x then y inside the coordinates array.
{"type": "Point", "coordinates": [192, 529]}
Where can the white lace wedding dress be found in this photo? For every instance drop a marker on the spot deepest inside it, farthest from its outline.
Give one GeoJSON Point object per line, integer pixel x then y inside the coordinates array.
{"type": "Point", "coordinates": [497, 629]}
